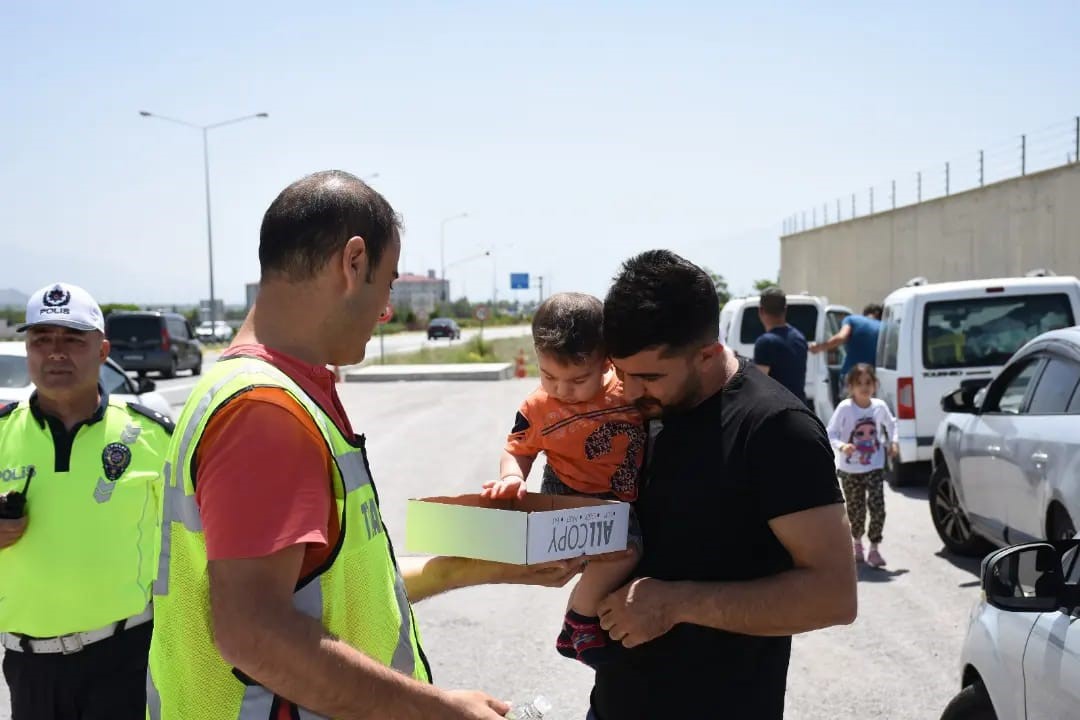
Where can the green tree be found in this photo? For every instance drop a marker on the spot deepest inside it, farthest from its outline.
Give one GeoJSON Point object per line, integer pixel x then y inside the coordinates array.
{"type": "Point", "coordinates": [109, 308]}
{"type": "Point", "coordinates": [764, 283]}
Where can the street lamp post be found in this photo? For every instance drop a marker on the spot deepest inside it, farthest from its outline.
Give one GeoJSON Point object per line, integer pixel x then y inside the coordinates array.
{"type": "Point", "coordinates": [442, 250]}
{"type": "Point", "coordinates": [206, 172]}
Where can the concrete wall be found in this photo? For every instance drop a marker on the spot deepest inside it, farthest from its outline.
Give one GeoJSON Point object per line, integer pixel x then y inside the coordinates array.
{"type": "Point", "coordinates": [1005, 229]}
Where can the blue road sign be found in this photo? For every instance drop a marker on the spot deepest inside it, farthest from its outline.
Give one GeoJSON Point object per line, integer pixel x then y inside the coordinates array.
{"type": "Point", "coordinates": [519, 281]}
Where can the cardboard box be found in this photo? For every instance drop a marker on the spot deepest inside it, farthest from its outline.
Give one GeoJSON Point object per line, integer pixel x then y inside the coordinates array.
{"type": "Point", "coordinates": [533, 530]}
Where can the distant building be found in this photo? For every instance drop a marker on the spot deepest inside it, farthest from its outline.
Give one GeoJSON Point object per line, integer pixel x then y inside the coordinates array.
{"type": "Point", "coordinates": [251, 291]}
{"type": "Point", "coordinates": [419, 293]}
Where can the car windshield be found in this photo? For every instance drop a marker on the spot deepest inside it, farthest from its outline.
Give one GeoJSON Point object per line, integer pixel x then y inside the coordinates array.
{"type": "Point", "coordinates": [801, 317]}
{"type": "Point", "coordinates": [441, 323]}
{"type": "Point", "coordinates": [987, 331]}
{"type": "Point", "coordinates": [13, 372]}
{"type": "Point", "coordinates": [134, 327]}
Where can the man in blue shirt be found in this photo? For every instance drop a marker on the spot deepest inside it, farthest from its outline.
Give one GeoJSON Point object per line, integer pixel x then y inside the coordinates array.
{"type": "Point", "coordinates": [860, 335]}
{"type": "Point", "coordinates": [780, 351]}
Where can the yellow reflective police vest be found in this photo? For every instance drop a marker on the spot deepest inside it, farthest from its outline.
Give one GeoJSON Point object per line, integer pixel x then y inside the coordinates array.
{"type": "Point", "coordinates": [358, 595]}
{"type": "Point", "coordinates": [89, 554]}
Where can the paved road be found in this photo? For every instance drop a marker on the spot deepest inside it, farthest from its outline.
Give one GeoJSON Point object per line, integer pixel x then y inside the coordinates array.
{"type": "Point", "coordinates": [177, 389]}
{"type": "Point", "coordinates": [897, 661]}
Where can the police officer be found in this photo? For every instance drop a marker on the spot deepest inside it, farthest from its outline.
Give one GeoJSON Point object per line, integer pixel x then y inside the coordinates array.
{"type": "Point", "coordinates": [80, 478]}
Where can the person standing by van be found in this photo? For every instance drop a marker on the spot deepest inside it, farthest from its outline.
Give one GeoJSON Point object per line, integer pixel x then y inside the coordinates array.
{"type": "Point", "coordinates": [780, 351]}
{"type": "Point", "coordinates": [859, 334]}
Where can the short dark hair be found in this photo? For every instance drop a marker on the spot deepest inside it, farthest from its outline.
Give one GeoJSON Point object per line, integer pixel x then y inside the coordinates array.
{"type": "Point", "coordinates": [873, 309]}
{"type": "Point", "coordinates": [858, 371]}
{"type": "Point", "coordinates": [569, 326]}
{"type": "Point", "coordinates": [660, 299]}
{"type": "Point", "coordinates": [313, 218]}
{"type": "Point", "coordinates": [773, 301]}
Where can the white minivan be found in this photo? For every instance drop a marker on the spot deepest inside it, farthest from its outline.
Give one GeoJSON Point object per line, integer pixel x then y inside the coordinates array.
{"type": "Point", "coordinates": [816, 319]}
{"type": "Point", "coordinates": [938, 337]}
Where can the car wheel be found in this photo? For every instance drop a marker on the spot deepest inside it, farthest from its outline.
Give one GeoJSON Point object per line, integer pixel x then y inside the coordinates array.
{"type": "Point", "coordinates": [170, 372]}
{"type": "Point", "coordinates": [972, 703]}
{"type": "Point", "coordinates": [197, 370]}
{"type": "Point", "coordinates": [1059, 526]}
{"type": "Point", "coordinates": [949, 518]}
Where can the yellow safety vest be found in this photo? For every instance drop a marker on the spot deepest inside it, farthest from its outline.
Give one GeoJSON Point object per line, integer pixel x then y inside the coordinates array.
{"type": "Point", "coordinates": [359, 595]}
{"type": "Point", "coordinates": [88, 556]}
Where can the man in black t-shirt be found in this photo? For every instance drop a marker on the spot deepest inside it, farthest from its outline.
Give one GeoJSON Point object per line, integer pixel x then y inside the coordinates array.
{"type": "Point", "coordinates": [746, 540]}
{"type": "Point", "coordinates": [780, 351]}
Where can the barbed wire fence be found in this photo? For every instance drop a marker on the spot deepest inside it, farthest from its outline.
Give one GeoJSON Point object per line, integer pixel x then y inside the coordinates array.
{"type": "Point", "coordinates": [1051, 147]}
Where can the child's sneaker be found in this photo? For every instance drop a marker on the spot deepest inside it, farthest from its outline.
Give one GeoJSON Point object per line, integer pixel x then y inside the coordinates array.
{"type": "Point", "coordinates": [858, 551]}
{"type": "Point", "coordinates": [874, 559]}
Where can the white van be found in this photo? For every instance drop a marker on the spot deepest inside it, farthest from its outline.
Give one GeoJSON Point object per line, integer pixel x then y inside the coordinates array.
{"type": "Point", "coordinates": [740, 326]}
{"type": "Point", "coordinates": [937, 337]}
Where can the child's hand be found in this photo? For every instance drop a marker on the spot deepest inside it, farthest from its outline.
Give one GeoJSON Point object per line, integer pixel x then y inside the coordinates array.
{"type": "Point", "coordinates": [847, 449]}
{"type": "Point", "coordinates": [507, 488]}
{"type": "Point", "coordinates": [894, 449]}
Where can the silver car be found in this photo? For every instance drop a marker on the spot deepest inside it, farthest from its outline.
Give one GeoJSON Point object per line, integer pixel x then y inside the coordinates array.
{"type": "Point", "coordinates": [1021, 655]}
{"type": "Point", "coordinates": [1006, 464]}
{"type": "Point", "coordinates": [15, 382]}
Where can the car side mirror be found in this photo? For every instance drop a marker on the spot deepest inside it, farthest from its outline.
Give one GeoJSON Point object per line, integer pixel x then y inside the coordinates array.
{"type": "Point", "coordinates": [1025, 578]}
{"type": "Point", "coordinates": [958, 401]}
{"type": "Point", "coordinates": [145, 385]}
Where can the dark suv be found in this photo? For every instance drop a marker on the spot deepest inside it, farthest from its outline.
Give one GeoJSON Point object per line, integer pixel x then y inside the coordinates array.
{"type": "Point", "coordinates": [443, 328]}
{"type": "Point", "coordinates": [162, 341]}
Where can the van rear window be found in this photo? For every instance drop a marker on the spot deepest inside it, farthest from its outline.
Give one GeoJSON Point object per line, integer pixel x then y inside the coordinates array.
{"type": "Point", "coordinates": [977, 332]}
{"type": "Point", "coordinates": [802, 317]}
{"type": "Point", "coordinates": [136, 328]}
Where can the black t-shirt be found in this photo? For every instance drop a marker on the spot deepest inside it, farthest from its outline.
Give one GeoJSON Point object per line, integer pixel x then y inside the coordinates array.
{"type": "Point", "coordinates": [715, 477]}
{"type": "Point", "coordinates": [783, 349]}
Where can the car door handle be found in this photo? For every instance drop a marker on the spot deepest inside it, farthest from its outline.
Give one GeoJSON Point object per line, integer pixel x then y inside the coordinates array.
{"type": "Point", "coordinates": [1039, 458]}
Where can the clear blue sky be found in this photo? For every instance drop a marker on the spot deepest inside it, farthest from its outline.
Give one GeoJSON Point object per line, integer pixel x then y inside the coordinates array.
{"type": "Point", "coordinates": [574, 133]}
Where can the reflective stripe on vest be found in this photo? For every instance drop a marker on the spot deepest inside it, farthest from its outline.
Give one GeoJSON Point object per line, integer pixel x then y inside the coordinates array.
{"type": "Point", "coordinates": [253, 702]}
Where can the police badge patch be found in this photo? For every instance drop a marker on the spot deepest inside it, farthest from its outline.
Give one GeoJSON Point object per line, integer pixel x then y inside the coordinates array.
{"type": "Point", "coordinates": [115, 459]}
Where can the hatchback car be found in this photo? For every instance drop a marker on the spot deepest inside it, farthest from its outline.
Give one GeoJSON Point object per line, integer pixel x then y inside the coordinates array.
{"type": "Point", "coordinates": [214, 331]}
{"type": "Point", "coordinates": [161, 341]}
{"type": "Point", "coordinates": [1006, 463]}
{"type": "Point", "coordinates": [15, 382]}
{"type": "Point", "coordinates": [1021, 655]}
{"type": "Point", "coordinates": [443, 328]}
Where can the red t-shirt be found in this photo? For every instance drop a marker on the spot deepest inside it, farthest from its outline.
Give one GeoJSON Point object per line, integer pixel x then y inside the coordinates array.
{"type": "Point", "coordinates": [263, 470]}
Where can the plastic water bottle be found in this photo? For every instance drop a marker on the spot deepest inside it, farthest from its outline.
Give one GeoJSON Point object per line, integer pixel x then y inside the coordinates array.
{"type": "Point", "coordinates": [534, 710]}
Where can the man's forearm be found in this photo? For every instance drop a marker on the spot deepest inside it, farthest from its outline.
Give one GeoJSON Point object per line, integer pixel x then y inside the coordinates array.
{"type": "Point", "coordinates": [792, 602]}
{"type": "Point", "coordinates": [294, 657]}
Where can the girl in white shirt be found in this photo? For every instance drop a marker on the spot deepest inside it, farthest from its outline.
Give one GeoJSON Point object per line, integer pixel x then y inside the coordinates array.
{"type": "Point", "coordinates": [855, 431]}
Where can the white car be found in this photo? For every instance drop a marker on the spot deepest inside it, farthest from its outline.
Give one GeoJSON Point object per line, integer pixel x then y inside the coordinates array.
{"type": "Point", "coordinates": [1007, 464]}
{"type": "Point", "coordinates": [214, 331]}
{"type": "Point", "coordinates": [15, 382]}
{"type": "Point", "coordinates": [936, 336]}
{"type": "Point", "coordinates": [816, 319]}
{"type": "Point", "coordinates": [1021, 655]}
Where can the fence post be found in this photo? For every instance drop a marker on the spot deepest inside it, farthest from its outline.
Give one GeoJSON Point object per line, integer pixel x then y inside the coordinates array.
{"type": "Point", "coordinates": [838, 218]}
{"type": "Point", "coordinates": [1023, 154]}
{"type": "Point", "coordinates": [871, 201]}
{"type": "Point", "coordinates": [804, 220]}
{"type": "Point", "coordinates": [814, 221]}
{"type": "Point", "coordinates": [982, 167]}
{"type": "Point", "coordinates": [946, 179]}
{"type": "Point", "coordinates": [853, 205]}
{"type": "Point", "coordinates": [825, 213]}
{"type": "Point", "coordinates": [918, 185]}
{"type": "Point", "coordinates": [1076, 154]}
{"type": "Point", "coordinates": [893, 194]}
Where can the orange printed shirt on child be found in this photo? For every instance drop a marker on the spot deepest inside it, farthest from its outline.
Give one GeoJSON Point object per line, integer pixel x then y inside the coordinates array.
{"type": "Point", "coordinates": [594, 447]}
